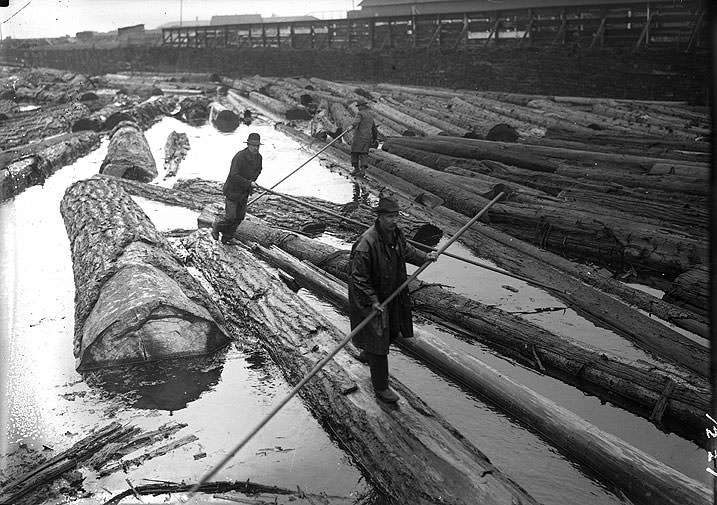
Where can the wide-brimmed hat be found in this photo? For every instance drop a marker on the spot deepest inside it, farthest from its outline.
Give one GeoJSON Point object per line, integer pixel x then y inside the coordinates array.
{"type": "Point", "coordinates": [253, 138]}
{"type": "Point", "coordinates": [386, 205]}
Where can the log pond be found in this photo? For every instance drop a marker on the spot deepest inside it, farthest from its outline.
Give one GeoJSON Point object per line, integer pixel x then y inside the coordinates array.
{"type": "Point", "coordinates": [45, 403]}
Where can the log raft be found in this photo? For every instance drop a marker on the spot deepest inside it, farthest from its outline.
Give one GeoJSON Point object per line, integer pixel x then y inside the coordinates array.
{"type": "Point", "coordinates": [614, 460]}
{"type": "Point", "coordinates": [134, 300]}
{"type": "Point", "coordinates": [632, 385]}
{"type": "Point", "coordinates": [577, 285]}
{"type": "Point", "coordinates": [438, 465]}
{"type": "Point", "coordinates": [635, 386]}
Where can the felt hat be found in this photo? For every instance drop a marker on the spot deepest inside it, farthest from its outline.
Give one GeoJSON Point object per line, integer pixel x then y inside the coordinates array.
{"type": "Point", "coordinates": [386, 205]}
{"type": "Point", "coordinates": [253, 138]}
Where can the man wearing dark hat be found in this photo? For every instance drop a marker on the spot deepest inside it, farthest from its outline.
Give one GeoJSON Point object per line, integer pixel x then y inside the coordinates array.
{"type": "Point", "coordinates": [377, 268]}
{"type": "Point", "coordinates": [244, 170]}
{"type": "Point", "coordinates": [365, 137]}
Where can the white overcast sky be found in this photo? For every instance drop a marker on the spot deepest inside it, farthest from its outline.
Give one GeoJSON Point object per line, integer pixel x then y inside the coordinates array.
{"type": "Point", "coordinates": [55, 18]}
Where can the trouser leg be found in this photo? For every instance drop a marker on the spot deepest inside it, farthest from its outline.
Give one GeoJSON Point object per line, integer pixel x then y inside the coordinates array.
{"type": "Point", "coordinates": [378, 364]}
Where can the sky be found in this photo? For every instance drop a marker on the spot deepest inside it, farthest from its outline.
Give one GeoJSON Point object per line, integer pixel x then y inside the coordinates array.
{"type": "Point", "coordinates": [56, 18]}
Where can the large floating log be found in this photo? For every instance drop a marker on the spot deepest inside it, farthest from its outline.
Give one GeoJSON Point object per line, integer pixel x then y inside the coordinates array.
{"type": "Point", "coordinates": [691, 290]}
{"type": "Point", "coordinates": [34, 163]}
{"type": "Point", "coordinates": [465, 147]}
{"type": "Point", "coordinates": [524, 259]}
{"type": "Point", "coordinates": [175, 150]}
{"type": "Point", "coordinates": [444, 126]}
{"type": "Point", "coordinates": [223, 119]}
{"type": "Point", "coordinates": [431, 451]}
{"type": "Point", "coordinates": [662, 204]}
{"type": "Point", "coordinates": [527, 115]}
{"type": "Point", "coordinates": [597, 372]}
{"type": "Point", "coordinates": [478, 150]}
{"type": "Point", "coordinates": [571, 229]}
{"type": "Point", "coordinates": [418, 126]}
{"type": "Point", "coordinates": [483, 120]}
{"type": "Point", "coordinates": [128, 154]}
{"type": "Point", "coordinates": [279, 107]}
{"type": "Point", "coordinates": [348, 92]}
{"type": "Point", "coordinates": [135, 301]}
{"type": "Point", "coordinates": [42, 123]}
{"type": "Point", "coordinates": [613, 459]}
{"type": "Point", "coordinates": [625, 383]}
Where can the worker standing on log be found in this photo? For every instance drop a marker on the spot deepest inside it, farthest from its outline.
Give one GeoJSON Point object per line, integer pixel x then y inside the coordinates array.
{"type": "Point", "coordinates": [244, 170]}
{"type": "Point", "coordinates": [365, 137]}
{"type": "Point", "coordinates": [377, 268]}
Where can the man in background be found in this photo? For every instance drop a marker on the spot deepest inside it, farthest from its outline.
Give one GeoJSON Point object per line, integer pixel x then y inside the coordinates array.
{"type": "Point", "coordinates": [244, 170]}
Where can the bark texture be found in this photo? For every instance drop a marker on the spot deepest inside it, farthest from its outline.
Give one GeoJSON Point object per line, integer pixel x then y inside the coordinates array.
{"type": "Point", "coordinates": [134, 300]}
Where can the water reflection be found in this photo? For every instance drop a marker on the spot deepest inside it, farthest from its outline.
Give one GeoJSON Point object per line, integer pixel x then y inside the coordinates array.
{"type": "Point", "coordinates": [162, 385]}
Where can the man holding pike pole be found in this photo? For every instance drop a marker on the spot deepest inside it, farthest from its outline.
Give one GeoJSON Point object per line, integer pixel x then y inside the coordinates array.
{"type": "Point", "coordinates": [377, 268]}
{"type": "Point", "coordinates": [244, 170]}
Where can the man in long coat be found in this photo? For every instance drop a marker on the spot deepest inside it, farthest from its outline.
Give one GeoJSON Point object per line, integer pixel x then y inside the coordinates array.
{"type": "Point", "coordinates": [377, 268]}
{"type": "Point", "coordinates": [365, 137]}
{"type": "Point", "coordinates": [244, 170]}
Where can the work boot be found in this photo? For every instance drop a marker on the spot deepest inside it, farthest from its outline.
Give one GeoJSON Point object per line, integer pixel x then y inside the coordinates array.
{"type": "Point", "coordinates": [387, 395]}
{"type": "Point", "coordinates": [227, 239]}
{"type": "Point", "coordinates": [358, 172]}
{"type": "Point", "coordinates": [362, 357]}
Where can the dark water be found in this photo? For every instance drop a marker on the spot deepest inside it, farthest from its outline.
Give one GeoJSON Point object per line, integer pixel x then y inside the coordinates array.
{"type": "Point", "coordinates": [43, 401]}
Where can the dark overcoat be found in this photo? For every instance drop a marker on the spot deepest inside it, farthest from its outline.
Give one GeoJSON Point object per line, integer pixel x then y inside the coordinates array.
{"type": "Point", "coordinates": [377, 268]}
{"type": "Point", "coordinates": [364, 133]}
{"type": "Point", "coordinates": [245, 169]}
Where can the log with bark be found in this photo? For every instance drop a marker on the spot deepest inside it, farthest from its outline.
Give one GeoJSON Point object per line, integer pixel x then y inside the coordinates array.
{"type": "Point", "coordinates": [32, 164]}
{"type": "Point", "coordinates": [591, 120]}
{"type": "Point", "coordinates": [175, 150]}
{"type": "Point", "coordinates": [574, 230]}
{"type": "Point", "coordinates": [613, 459]}
{"type": "Point", "coordinates": [555, 183]}
{"type": "Point", "coordinates": [483, 120]}
{"type": "Point", "coordinates": [194, 110]}
{"type": "Point", "coordinates": [528, 115]}
{"type": "Point", "coordinates": [223, 119]}
{"type": "Point", "coordinates": [42, 123]}
{"type": "Point", "coordinates": [341, 89]}
{"type": "Point", "coordinates": [134, 301]}
{"type": "Point", "coordinates": [477, 149]}
{"type": "Point", "coordinates": [444, 126]}
{"type": "Point", "coordinates": [278, 107]}
{"type": "Point", "coordinates": [421, 127]}
{"type": "Point", "coordinates": [691, 290]}
{"type": "Point", "coordinates": [432, 452]}
{"type": "Point", "coordinates": [581, 281]}
{"type": "Point", "coordinates": [627, 384]}
{"type": "Point", "coordinates": [636, 386]}
{"type": "Point", "coordinates": [129, 154]}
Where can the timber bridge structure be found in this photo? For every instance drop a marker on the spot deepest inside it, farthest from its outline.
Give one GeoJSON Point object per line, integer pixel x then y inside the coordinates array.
{"type": "Point", "coordinates": [677, 24]}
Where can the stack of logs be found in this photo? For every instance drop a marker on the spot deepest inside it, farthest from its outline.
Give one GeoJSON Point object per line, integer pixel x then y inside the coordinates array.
{"type": "Point", "coordinates": [50, 118]}
{"type": "Point", "coordinates": [619, 184]}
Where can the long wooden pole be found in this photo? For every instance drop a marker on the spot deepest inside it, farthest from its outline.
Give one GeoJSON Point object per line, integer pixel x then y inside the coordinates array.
{"type": "Point", "coordinates": [301, 166]}
{"type": "Point", "coordinates": [335, 351]}
{"type": "Point", "coordinates": [415, 243]}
